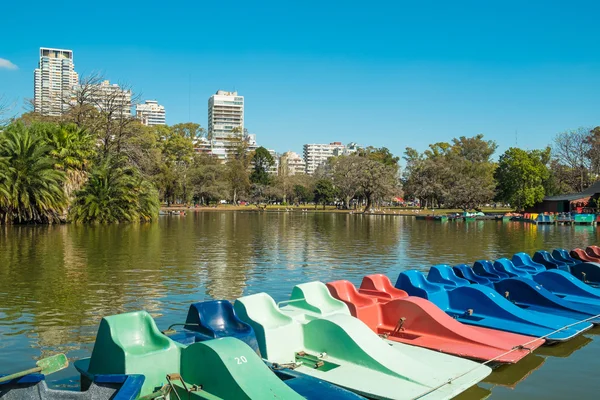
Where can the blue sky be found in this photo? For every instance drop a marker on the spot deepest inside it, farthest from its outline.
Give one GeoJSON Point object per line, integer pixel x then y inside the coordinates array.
{"type": "Point", "coordinates": [391, 74]}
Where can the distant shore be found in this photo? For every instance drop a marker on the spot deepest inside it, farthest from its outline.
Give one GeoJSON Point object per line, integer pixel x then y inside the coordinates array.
{"type": "Point", "coordinates": [329, 209]}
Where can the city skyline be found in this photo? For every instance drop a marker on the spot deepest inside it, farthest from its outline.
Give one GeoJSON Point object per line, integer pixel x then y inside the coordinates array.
{"type": "Point", "coordinates": [416, 74]}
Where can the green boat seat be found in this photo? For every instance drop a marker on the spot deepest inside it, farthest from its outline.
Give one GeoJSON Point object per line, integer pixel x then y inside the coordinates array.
{"type": "Point", "coordinates": [128, 343]}
{"type": "Point", "coordinates": [230, 369]}
{"type": "Point", "coordinates": [314, 297]}
{"type": "Point", "coordinates": [279, 336]}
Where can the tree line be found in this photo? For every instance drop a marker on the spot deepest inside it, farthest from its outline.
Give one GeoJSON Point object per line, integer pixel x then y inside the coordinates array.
{"type": "Point", "coordinates": [463, 174]}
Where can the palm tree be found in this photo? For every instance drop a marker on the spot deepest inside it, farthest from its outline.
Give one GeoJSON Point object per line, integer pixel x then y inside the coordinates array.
{"type": "Point", "coordinates": [115, 192]}
{"type": "Point", "coordinates": [73, 149]}
{"type": "Point", "coordinates": [30, 186]}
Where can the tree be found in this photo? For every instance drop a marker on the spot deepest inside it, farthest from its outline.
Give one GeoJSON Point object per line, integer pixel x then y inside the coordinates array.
{"type": "Point", "coordinates": [573, 149]}
{"type": "Point", "coordinates": [115, 192]}
{"type": "Point", "coordinates": [237, 175]}
{"type": "Point", "coordinates": [73, 149]}
{"type": "Point", "coordinates": [324, 192]}
{"type": "Point", "coordinates": [471, 172]}
{"type": "Point", "coordinates": [30, 185]}
{"type": "Point", "coordinates": [208, 180]}
{"type": "Point", "coordinates": [345, 171]}
{"type": "Point", "coordinates": [376, 181]}
{"type": "Point", "coordinates": [263, 161]}
{"type": "Point", "coordinates": [188, 130]}
{"type": "Point", "coordinates": [521, 175]}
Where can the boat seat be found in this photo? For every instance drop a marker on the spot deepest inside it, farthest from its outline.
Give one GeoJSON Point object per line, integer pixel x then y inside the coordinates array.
{"type": "Point", "coordinates": [315, 297]}
{"type": "Point", "coordinates": [278, 335]}
{"type": "Point", "coordinates": [128, 343]}
{"type": "Point", "coordinates": [506, 266]}
{"type": "Point", "coordinates": [228, 369]}
{"type": "Point", "coordinates": [217, 319]}
{"type": "Point", "coordinates": [361, 306]}
{"type": "Point", "coordinates": [486, 269]}
{"type": "Point", "coordinates": [524, 261]}
{"type": "Point", "coordinates": [466, 272]}
{"type": "Point", "coordinates": [563, 255]}
{"type": "Point", "coordinates": [443, 274]}
{"type": "Point", "coordinates": [415, 284]}
{"type": "Point", "coordinates": [546, 259]}
{"type": "Point", "coordinates": [380, 286]}
{"type": "Point", "coordinates": [593, 251]}
{"type": "Point", "coordinates": [580, 254]}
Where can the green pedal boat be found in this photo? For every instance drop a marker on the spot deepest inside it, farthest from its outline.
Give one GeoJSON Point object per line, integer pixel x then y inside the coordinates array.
{"type": "Point", "coordinates": [324, 341]}
{"type": "Point", "coordinates": [223, 368]}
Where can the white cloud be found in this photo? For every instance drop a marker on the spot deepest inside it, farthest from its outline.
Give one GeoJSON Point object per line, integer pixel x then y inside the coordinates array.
{"type": "Point", "coordinates": [4, 63]}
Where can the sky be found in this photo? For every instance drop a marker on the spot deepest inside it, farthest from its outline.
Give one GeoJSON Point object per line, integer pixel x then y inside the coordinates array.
{"type": "Point", "coordinates": [393, 74]}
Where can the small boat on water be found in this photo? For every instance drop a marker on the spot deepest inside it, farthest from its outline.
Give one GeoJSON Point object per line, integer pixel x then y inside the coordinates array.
{"type": "Point", "coordinates": [480, 305]}
{"type": "Point", "coordinates": [103, 387]}
{"type": "Point", "coordinates": [419, 322]}
{"type": "Point", "coordinates": [224, 368]}
{"type": "Point", "coordinates": [215, 319]}
{"type": "Point", "coordinates": [323, 342]}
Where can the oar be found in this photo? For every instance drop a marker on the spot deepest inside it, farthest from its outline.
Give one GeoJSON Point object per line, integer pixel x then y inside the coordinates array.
{"type": "Point", "coordinates": [45, 366]}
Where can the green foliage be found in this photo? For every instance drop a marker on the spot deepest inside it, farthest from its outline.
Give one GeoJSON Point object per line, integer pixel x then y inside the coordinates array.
{"type": "Point", "coordinates": [30, 185]}
{"type": "Point", "coordinates": [115, 192]}
{"type": "Point", "coordinates": [324, 192]}
{"type": "Point", "coordinates": [521, 175]}
{"type": "Point", "coordinates": [263, 161]}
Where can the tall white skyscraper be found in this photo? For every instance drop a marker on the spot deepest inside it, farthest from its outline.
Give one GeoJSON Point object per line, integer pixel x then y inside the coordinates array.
{"type": "Point", "coordinates": [54, 80]}
{"type": "Point", "coordinates": [150, 113]}
{"type": "Point", "coordinates": [225, 113]}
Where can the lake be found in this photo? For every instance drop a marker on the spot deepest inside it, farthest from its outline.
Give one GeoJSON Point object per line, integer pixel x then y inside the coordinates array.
{"type": "Point", "coordinates": [57, 282]}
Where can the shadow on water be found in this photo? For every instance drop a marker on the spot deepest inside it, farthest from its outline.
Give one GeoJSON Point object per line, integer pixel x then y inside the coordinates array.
{"type": "Point", "coordinates": [564, 349]}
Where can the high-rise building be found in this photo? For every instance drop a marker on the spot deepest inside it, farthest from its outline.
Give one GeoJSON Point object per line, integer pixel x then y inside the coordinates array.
{"type": "Point", "coordinates": [108, 98]}
{"type": "Point", "coordinates": [316, 155]}
{"type": "Point", "coordinates": [54, 79]}
{"type": "Point", "coordinates": [225, 113]}
{"type": "Point", "coordinates": [291, 163]}
{"type": "Point", "coordinates": [150, 113]}
{"type": "Point", "coordinates": [274, 170]}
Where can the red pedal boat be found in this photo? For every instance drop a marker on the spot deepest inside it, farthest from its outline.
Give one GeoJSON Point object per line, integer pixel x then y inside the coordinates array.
{"type": "Point", "coordinates": [390, 312]}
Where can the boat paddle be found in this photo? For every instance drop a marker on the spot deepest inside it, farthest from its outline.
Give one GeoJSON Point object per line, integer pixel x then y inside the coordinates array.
{"type": "Point", "coordinates": [45, 366]}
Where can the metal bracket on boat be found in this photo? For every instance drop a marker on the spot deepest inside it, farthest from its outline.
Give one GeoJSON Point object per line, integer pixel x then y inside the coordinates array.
{"type": "Point", "coordinates": [506, 294]}
{"type": "Point", "coordinates": [521, 347]}
{"type": "Point", "coordinates": [177, 377]}
{"type": "Point", "coordinates": [469, 311]}
{"type": "Point", "coordinates": [170, 330]}
{"type": "Point", "coordinates": [398, 326]}
{"type": "Point", "coordinates": [292, 365]}
{"type": "Point", "coordinates": [584, 277]}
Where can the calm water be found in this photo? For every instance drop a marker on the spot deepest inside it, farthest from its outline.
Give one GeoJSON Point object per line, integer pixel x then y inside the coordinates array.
{"type": "Point", "coordinates": [57, 282]}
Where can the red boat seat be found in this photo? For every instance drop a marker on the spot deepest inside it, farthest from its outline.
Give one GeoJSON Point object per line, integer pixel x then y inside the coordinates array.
{"type": "Point", "coordinates": [379, 285]}
{"type": "Point", "coordinates": [362, 307]}
{"type": "Point", "coordinates": [582, 255]}
{"type": "Point", "coordinates": [593, 251]}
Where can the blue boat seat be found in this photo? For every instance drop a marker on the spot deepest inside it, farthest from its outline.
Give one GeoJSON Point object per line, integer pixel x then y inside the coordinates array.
{"type": "Point", "coordinates": [546, 259]}
{"type": "Point", "coordinates": [415, 284]}
{"type": "Point", "coordinates": [564, 256]}
{"type": "Point", "coordinates": [444, 275]}
{"type": "Point", "coordinates": [486, 269]}
{"type": "Point", "coordinates": [506, 266]}
{"type": "Point", "coordinates": [524, 262]}
{"type": "Point", "coordinates": [216, 319]}
{"type": "Point", "coordinates": [465, 272]}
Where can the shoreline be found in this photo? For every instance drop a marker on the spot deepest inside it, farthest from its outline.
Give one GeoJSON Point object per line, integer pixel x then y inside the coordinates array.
{"type": "Point", "coordinates": [311, 209]}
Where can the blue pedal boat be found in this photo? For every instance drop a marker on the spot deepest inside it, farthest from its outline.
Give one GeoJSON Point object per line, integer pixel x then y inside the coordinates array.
{"type": "Point", "coordinates": [522, 261]}
{"type": "Point", "coordinates": [527, 293]}
{"type": "Point", "coordinates": [546, 259]}
{"type": "Point", "coordinates": [216, 318]}
{"type": "Point", "coordinates": [585, 271]}
{"type": "Point", "coordinates": [103, 387]}
{"type": "Point", "coordinates": [482, 306]}
{"type": "Point", "coordinates": [564, 256]}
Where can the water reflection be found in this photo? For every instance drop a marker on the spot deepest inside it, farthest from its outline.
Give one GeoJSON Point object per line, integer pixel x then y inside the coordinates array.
{"type": "Point", "coordinates": [56, 282]}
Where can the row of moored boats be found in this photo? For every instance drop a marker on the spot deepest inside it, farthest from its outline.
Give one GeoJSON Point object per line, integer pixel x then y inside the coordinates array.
{"type": "Point", "coordinates": [426, 337]}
